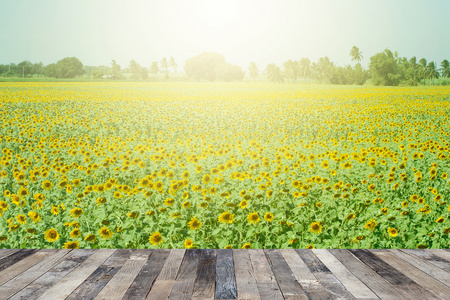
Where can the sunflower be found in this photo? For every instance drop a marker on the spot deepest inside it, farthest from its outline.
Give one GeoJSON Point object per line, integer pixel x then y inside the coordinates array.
{"type": "Point", "coordinates": [75, 233]}
{"type": "Point", "coordinates": [243, 204]}
{"type": "Point", "coordinates": [370, 224]}
{"type": "Point", "coordinates": [34, 216]}
{"type": "Point", "coordinates": [206, 178]}
{"type": "Point", "coordinates": [76, 212]}
{"type": "Point", "coordinates": [55, 210]}
{"type": "Point", "coordinates": [133, 214]}
{"type": "Point", "coordinates": [21, 219]}
{"type": "Point", "coordinates": [105, 233]}
{"type": "Point", "coordinates": [268, 217]}
{"type": "Point", "coordinates": [194, 224]}
{"type": "Point", "coordinates": [46, 185]}
{"type": "Point", "coordinates": [71, 245]}
{"type": "Point", "coordinates": [392, 232]}
{"type": "Point", "coordinates": [226, 217]}
{"type": "Point", "coordinates": [253, 218]}
{"type": "Point", "coordinates": [101, 201]}
{"type": "Point", "coordinates": [90, 238]}
{"type": "Point", "coordinates": [315, 227]}
{"type": "Point", "coordinates": [188, 244]}
{"type": "Point", "coordinates": [247, 246]}
{"type": "Point", "coordinates": [440, 220]}
{"type": "Point", "coordinates": [156, 238]}
{"type": "Point", "coordinates": [51, 235]}
{"type": "Point", "coordinates": [350, 217]}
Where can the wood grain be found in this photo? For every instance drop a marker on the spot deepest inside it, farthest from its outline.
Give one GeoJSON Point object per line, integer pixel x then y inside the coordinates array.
{"type": "Point", "coordinates": [23, 280]}
{"type": "Point", "coordinates": [225, 278]}
{"type": "Point", "coordinates": [286, 280]}
{"type": "Point", "coordinates": [358, 289]}
{"type": "Point", "coordinates": [309, 283]}
{"type": "Point", "coordinates": [380, 286]}
{"type": "Point", "coordinates": [265, 279]}
{"type": "Point", "coordinates": [245, 276]}
{"type": "Point", "coordinates": [330, 283]}
{"type": "Point", "coordinates": [402, 282]}
{"type": "Point", "coordinates": [119, 284]}
{"type": "Point", "coordinates": [71, 281]}
{"type": "Point", "coordinates": [431, 284]}
{"type": "Point", "coordinates": [205, 282]}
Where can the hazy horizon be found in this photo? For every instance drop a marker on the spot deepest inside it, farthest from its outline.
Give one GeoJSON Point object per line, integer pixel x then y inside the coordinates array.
{"type": "Point", "coordinates": [243, 31]}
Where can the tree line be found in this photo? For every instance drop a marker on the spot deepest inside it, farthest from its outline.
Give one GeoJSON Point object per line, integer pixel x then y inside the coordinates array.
{"type": "Point", "coordinates": [385, 68]}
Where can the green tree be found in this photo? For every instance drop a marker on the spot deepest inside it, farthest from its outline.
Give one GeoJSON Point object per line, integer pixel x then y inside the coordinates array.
{"type": "Point", "coordinates": [423, 70]}
{"type": "Point", "coordinates": [203, 66]}
{"type": "Point", "coordinates": [115, 70]}
{"type": "Point", "coordinates": [165, 67]}
{"type": "Point", "coordinates": [51, 70]}
{"type": "Point", "coordinates": [305, 68]}
{"type": "Point", "coordinates": [154, 69]}
{"type": "Point", "coordinates": [134, 68]}
{"type": "Point", "coordinates": [359, 75]}
{"type": "Point", "coordinates": [433, 73]}
{"type": "Point", "coordinates": [324, 70]}
{"type": "Point", "coordinates": [291, 70]}
{"type": "Point", "coordinates": [384, 69]}
{"type": "Point", "coordinates": [25, 68]}
{"type": "Point", "coordinates": [356, 54]}
{"type": "Point", "coordinates": [253, 70]}
{"type": "Point", "coordinates": [445, 69]}
{"type": "Point", "coordinates": [273, 73]}
{"type": "Point", "coordinates": [229, 72]}
{"type": "Point", "coordinates": [69, 67]}
{"type": "Point", "coordinates": [173, 64]}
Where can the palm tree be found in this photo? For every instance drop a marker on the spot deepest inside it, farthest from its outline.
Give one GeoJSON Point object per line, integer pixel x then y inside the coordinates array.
{"type": "Point", "coordinates": [432, 72]}
{"type": "Point", "coordinates": [274, 73]}
{"type": "Point", "coordinates": [423, 68]}
{"type": "Point", "coordinates": [445, 68]}
{"type": "Point", "coordinates": [413, 64]}
{"type": "Point", "coordinates": [253, 70]}
{"type": "Point", "coordinates": [355, 54]}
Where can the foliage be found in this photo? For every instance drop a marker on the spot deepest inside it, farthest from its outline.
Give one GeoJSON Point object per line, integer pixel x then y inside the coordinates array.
{"type": "Point", "coordinates": [383, 68]}
{"type": "Point", "coordinates": [211, 66]}
{"type": "Point", "coordinates": [160, 165]}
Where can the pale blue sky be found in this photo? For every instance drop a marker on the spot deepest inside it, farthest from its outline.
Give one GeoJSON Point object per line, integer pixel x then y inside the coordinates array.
{"type": "Point", "coordinates": [97, 31]}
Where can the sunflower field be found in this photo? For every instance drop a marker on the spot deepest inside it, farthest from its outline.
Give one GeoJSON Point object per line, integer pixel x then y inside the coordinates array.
{"type": "Point", "coordinates": [215, 165]}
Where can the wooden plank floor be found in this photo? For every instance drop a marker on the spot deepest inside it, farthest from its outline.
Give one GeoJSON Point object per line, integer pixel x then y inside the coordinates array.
{"type": "Point", "coordinates": [224, 274]}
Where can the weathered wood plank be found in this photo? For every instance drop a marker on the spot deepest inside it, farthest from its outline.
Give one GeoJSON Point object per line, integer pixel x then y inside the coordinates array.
{"type": "Point", "coordinates": [265, 279]}
{"type": "Point", "coordinates": [443, 253]}
{"type": "Point", "coordinates": [309, 283]}
{"type": "Point", "coordinates": [7, 252]}
{"type": "Point", "coordinates": [331, 284]}
{"type": "Point", "coordinates": [24, 264]}
{"type": "Point", "coordinates": [424, 266]}
{"type": "Point", "coordinates": [23, 280]}
{"type": "Point", "coordinates": [430, 257]}
{"type": "Point", "coordinates": [10, 260]}
{"type": "Point", "coordinates": [184, 284]}
{"type": "Point", "coordinates": [51, 277]}
{"type": "Point", "coordinates": [369, 277]}
{"type": "Point", "coordinates": [225, 278]}
{"type": "Point", "coordinates": [358, 289]}
{"type": "Point", "coordinates": [172, 265]}
{"type": "Point", "coordinates": [245, 276]}
{"type": "Point", "coordinates": [165, 281]}
{"type": "Point", "coordinates": [403, 283]}
{"type": "Point", "coordinates": [161, 289]}
{"type": "Point", "coordinates": [101, 276]}
{"type": "Point", "coordinates": [146, 277]}
{"type": "Point", "coordinates": [72, 280]}
{"type": "Point", "coordinates": [426, 281]}
{"type": "Point", "coordinates": [205, 282]}
{"type": "Point", "coordinates": [283, 274]}
{"type": "Point", "coordinates": [119, 284]}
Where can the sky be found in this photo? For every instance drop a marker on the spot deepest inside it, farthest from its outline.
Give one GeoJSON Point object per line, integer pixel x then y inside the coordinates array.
{"type": "Point", "coordinates": [98, 31]}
